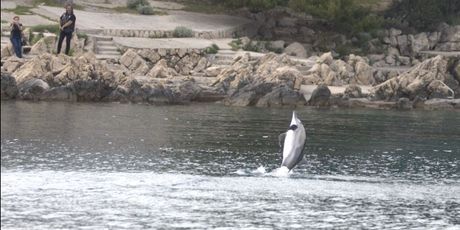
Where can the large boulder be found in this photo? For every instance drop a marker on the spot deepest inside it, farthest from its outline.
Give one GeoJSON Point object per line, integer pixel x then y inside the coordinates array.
{"type": "Point", "coordinates": [134, 62]}
{"type": "Point", "coordinates": [419, 42]}
{"type": "Point", "coordinates": [9, 89]}
{"type": "Point", "coordinates": [363, 72]}
{"type": "Point", "coordinates": [161, 70]}
{"type": "Point", "coordinates": [32, 89]}
{"type": "Point", "coordinates": [45, 45]}
{"type": "Point", "coordinates": [12, 64]}
{"type": "Point", "coordinates": [37, 67]}
{"type": "Point", "coordinates": [320, 96]}
{"type": "Point", "coordinates": [296, 49]}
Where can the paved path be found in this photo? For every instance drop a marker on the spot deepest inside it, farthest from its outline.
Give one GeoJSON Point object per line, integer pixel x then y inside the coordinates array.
{"type": "Point", "coordinates": [27, 20]}
{"type": "Point", "coordinates": [7, 5]}
{"type": "Point", "coordinates": [168, 43]}
{"type": "Point", "coordinates": [442, 53]}
{"type": "Point", "coordinates": [195, 21]}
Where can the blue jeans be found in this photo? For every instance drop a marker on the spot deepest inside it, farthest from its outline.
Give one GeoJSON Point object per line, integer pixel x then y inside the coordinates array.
{"type": "Point", "coordinates": [17, 46]}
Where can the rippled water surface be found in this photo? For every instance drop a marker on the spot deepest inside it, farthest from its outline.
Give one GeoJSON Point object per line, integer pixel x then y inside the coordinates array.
{"type": "Point", "coordinates": [122, 166]}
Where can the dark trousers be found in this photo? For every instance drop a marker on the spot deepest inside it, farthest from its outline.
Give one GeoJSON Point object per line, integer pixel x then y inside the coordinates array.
{"type": "Point", "coordinates": [17, 46]}
{"type": "Point", "coordinates": [67, 36]}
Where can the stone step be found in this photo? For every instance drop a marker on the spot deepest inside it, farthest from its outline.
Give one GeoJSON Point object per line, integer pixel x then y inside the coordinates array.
{"type": "Point", "coordinates": [106, 56]}
{"type": "Point", "coordinates": [224, 57]}
{"type": "Point", "coordinates": [222, 62]}
{"type": "Point", "coordinates": [109, 53]}
{"type": "Point", "coordinates": [105, 43]}
{"type": "Point", "coordinates": [107, 48]}
{"type": "Point", "coordinates": [226, 52]}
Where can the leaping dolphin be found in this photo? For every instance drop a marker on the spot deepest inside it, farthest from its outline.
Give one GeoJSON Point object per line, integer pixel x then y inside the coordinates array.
{"type": "Point", "coordinates": [293, 142]}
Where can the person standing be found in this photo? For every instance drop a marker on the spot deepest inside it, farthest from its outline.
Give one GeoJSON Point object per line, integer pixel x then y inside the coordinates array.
{"type": "Point", "coordinates": [67, 27]}
{"type": "Point", "coordinates": [16, 36]}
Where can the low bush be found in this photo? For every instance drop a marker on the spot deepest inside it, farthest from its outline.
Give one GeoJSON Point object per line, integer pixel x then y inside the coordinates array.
{"type": "Point", "coordinates": [424, 15]}
{"type": "Point", "coordinates": [145, 9]}
{"type": "Point", "coordinates": [213, 49]}
{"type": "Point", "coordinates": [182, 32]}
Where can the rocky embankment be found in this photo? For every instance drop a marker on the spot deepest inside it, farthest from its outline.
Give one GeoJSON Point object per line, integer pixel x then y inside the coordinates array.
{"type": "Point", "coordinates": [185, 76]}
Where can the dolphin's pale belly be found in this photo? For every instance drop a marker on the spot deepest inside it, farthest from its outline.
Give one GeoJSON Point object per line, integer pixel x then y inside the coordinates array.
{"type": "Point", "coordinates": [289, 145]}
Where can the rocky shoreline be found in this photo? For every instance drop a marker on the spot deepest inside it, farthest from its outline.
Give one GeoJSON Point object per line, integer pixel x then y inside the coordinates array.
{"type": "Point", "coordinates": [183, 77]}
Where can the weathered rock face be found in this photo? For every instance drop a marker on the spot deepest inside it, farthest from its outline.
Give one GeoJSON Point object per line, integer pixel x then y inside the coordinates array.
{"type": "Point", "coordinates": [337, 72]}
{"type": "Point", "coordinates": [183, 61]}
{"type": "Point", "coordinates": [427, 80]}
{"type": "Point", "coordinates": [268, 82]}
{"type": "Point", "coordinates": [9, 89]}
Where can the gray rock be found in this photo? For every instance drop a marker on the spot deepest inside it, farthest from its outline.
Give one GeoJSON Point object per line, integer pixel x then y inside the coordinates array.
{"type": "Point", "coordinates": [134, 62]}
{"type": "Point", "coordinates": [280, 97]}
{"type": "Point", "coordinates": [61, 93]}
{"type": "Point", "coordinates": [353, 91]}
{"type": "Point", "coordinates": [278, 44]}
{"type": "Point", "coordinates": [404, 104]}
{"type": "Point", "coordinates": [394, 32]}
{"type": "Point", "coordinates": [287, 22]}
{"type": "Point", "coordinates": [419, 42]}
{"type": "Point", "coordinates": [32, 89]}
{"type": "Point", "coordinates": [320, 96]}
{"type": "Point", "coordinates": [450, 34]}
{"type": "Point", "coordinates": [296, 49]}
{"type": "Point", "coordinates": [9, 89]}
{"type": "Point", "coordinates": [403, 45]}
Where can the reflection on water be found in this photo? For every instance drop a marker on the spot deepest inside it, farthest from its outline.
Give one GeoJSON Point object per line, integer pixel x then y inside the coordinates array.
{"type": "Point", "coordinates": [128, 166]}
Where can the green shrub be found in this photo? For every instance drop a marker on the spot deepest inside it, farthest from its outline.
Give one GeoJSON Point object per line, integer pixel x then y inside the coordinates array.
{"type": "Point", "coordinates": [235, 44]}
{"type": "Point", "coordinates": [424, 15]}
{"type": "Point", "coordinates": [133, 4]}
{"type": "Point", "coordinates": [253, 46]}
{"type": "Point", "coordinates": [254, 5]}
{"type": "Point", "coordinates": [145, 9]}
{"type": "Point", "coordinates": [213, 49]}
{"type": "Point", "coordinates": [182, 32]}
{"type": "Point", "coordinates": [347, 16]}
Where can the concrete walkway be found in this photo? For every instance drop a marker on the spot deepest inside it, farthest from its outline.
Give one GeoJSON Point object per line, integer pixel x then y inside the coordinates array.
{"type": "Point", "coordinates": [171, 43]}
{"type": "Point", "coordinates": [195, 21]}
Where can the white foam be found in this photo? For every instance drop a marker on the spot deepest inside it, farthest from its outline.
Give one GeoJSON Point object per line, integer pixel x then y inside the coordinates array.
{"type": "Point", "coordinates": [281, 172]}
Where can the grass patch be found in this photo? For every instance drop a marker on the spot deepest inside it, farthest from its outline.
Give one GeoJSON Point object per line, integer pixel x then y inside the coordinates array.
{"type": "Point", "coordinates": [213, 49]}
{"type": "Point", "coordinates": [20, 10]}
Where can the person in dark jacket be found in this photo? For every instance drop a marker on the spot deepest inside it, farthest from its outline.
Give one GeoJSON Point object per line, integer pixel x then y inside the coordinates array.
{"type": "Point", "coordinates": [67, 27]}
{"type": "Point", "coordinates": [16, 36]}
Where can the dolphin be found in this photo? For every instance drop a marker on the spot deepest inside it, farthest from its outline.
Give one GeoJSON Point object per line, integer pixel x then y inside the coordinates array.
{"type": "Point", "coordinates": [292, 143]}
